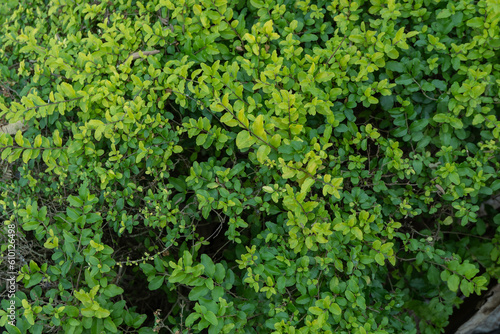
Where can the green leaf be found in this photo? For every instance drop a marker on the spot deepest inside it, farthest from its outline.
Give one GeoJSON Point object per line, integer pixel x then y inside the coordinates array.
{"type": "Point", "coordinates": [350, 296]}
{"type": "Point", "coordinates": [427, 86]}
{"type": "Point", "coordinates": [198, 292]}
{"type": "Point", "coordinates": [71, 311]}
{"type": "Point", "coordinates": [244, 139]}
{"type": "Point", "coordinates": [357, 232]}
{"type": "Point", "coordinates": [455, 178]}
{"type": "Point", "coordinates": [75, 146]}
{"type": "Point", "coordinates": [112, 290]}
{"type": "Point", "coordinates": [440, 84]}
{"type": "Point", "coordinates": [73, 322]}
{"type": "Point", "coordinates": [6, 152]}
{"type": "Point", "coordinates": [419, 258]}
{"type": "Point", "coordinates": [200, 140]}
{"type": "Point", "coordinates": [209, 283]}
{"type": "Point", "coordinates": [326, 76]}
{"type": "Point", "coordinates": [57, 138]}
{"type": "Point", "coordinates": [263, 153]}
{"type": "Point", "coordinates": [30, 226]}
{"type": "Point", "coordinates": [258, 127]}
{"type": "Point", "coordinates": [226, 117]}
{"type": "Point", "coordinates": [156, 283]}
{"type": "Point", "coordinates": [220, 273]}
{"type": "Point", "coordinates": [315, 310]}
{"type": "Point", "coordinates": [456, 123]}
{"type": "Point", "coordinates": [395, 66]}
{"type": "Point", "coordinates": [379, 257]}
{"type": "Point", "coordinates": [27, 155]}
{"type": "Point", "coordinates": [478, 119]}
{"type": "Point", "coordinates": [399, 132]}
{"type": "Point", "coordinates": [444, 13]}
{"type": "Point", "coordinates": [281, 283]}
{"type": "Point", "coordinates": [11, 329]}
{"type": "Point", "coordinates": [19, 138]}
{"type": "Point", "coordinates": [268, 189]}
{"type": "Point", "coordinates": [35, 279]}
{"type": "Point", "coordinates": [440, 118]}
{"type": "Point", "coordinates": [303, 300]}
{"type": "Point", "coordinates": [453, 282]}
{"type": "Point", "coordinates": [399, 35]}
{"type": "Point", "coordinates": [387, 102]}
{"type": "Point", "coordinates": [476, 22]}
{"type": "Point", "coordinates": [208, 264]}
{"type": "Point", "coordinates": [110, 325]}
{"type": "Point", "coordinates": [448, 220]}
{"type": "Point", "coordinates": [417, 166]}
{"type": "Point", "coordinates": [335, 309]}
{"type": "Point", "coordinates": [75, 201]}
{"type": "Point", "coordinates": [147, 269]}
{"type": "Point", "coordinates": [306, 186]}
{"type": "Point", "coordinates": [404, 79]}
{"type": "Point", "coordinates": [192, 318]}
{"type": "Point", "coordinates": [102, 313]}
{"type": "Point", "coordinates": [83, 297]}
{"type": "Point", "coordinates": [211, 318]}
{"type": "Point", "coordinates": [285, 149]}
{"type": "Point", "coordinates": [68, 90]}
{"type": "Point", "coordinates": [308, 38]}
{"type": "Point", "coordinates": [419, 125]}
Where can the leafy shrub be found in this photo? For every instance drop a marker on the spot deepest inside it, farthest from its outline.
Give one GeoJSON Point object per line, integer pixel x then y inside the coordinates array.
{"type": "Point", "coordinates": [261, 166]}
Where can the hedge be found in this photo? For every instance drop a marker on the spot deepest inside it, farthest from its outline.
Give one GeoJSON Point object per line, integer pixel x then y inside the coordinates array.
{"type": "Point", "coordinates": [260, 166]}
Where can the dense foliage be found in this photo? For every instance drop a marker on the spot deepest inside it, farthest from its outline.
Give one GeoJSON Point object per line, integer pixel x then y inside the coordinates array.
{"type": "Point", "coordinates": [260, 166]}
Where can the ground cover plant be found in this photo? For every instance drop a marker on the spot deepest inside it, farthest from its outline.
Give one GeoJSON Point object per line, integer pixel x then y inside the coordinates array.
{"type": "Point", "coordinates": [260, 166]}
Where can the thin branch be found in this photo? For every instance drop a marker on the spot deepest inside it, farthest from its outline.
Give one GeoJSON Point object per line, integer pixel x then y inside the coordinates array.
{"type": "Point", "coordinates": [430, 98]}
{"type": "Point", "coordinates": [338, 47]}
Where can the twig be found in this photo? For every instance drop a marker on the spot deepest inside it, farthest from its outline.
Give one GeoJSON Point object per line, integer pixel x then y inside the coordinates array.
{"type": "Point", "coordinates": [136, 55]}
{"type": "Point", "coordinates": [430, 98]}
{"type": "Point", "coordinates": [338, 47]}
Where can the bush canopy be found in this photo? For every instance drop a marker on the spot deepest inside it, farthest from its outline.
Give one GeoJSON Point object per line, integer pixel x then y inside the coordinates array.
{"type": "Point", "coordinates": [260, 166]}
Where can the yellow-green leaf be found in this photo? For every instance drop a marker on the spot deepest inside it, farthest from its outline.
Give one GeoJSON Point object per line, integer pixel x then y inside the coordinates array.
{"type": "Point", "coordinates": [242, 117]}
{"type": "Point", "coordinates": [225, 100]}
{"type": "Point", "coordinates": [19, 138]}
{"type": "Point", "coordinates": [249, 37]}
{"type": "Point", "coordinates": [38, 141]}
{"type": "Point", "coordinates": [244, 139]}
{"type": "Point", "coordinates": [268, 189]}
{"type": "Point", "coordinates": [68, 90]}
{"type": "Point", "coordinates": [399, 35]}
{"type": "Point", "coordinates": [27, 156]}
{"type": "Point", "coordinates": [16, 153]}
{"type": "Point", "coordinates": [268, 27]}
{"type": "Point", "coordinates": [379, 257]}
{"type": "Point", "coordinates": [258, 127]}
{"type": "Point", "coordinates": [6, 152]}
{"type": "Point", "coordinates": [262, 153]}
{"type": "Point", "coordinates": [226, 117]}
{"type": "Point", "coordinates": [276, 140]}
{"type": "Point", "coordinates": [57, 138]}
{"type": "Point", "coordinates": [335, 309]}
{"type": "Point", "coordinates": [315, 310]}
{"type": "Point", "coordinates": [357, 232]}
{"type": "Point", "coordinates": [306, 185]}
{"type": "Point", "coordinates": [197, 10]}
